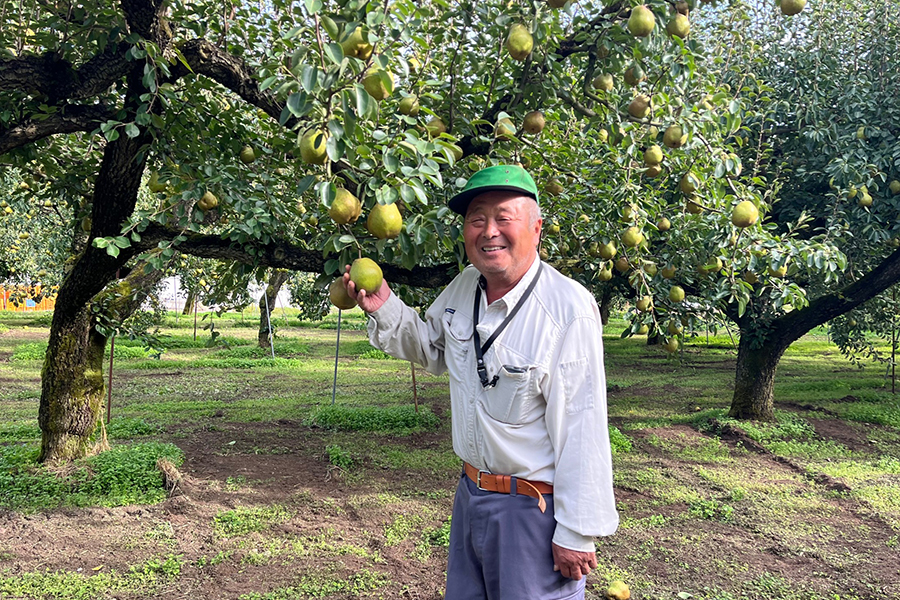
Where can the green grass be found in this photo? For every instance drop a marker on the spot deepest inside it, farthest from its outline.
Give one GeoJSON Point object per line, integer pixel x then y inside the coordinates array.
{"type": "Point", "coordinates": [145, 578]}
{"type": "Point", "coordinates": [391, 419]}
{"type": "Point", "coordinates": [126, 474]}
{"type": "Point", "coordinates": [244, 520]}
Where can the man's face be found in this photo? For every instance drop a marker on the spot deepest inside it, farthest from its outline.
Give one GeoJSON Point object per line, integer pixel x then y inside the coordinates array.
{"type": "Point", "coordinates": [500, 240]}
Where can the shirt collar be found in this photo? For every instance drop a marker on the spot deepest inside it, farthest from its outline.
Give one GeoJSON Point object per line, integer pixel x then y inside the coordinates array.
{"type": "Point", "coordinates": [512, 297]}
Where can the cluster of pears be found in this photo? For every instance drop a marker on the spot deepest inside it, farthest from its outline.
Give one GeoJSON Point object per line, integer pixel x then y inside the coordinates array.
{"type": "Point", "coordinates": [384, 220]}
{"type": "Point", "coordinates": [642, 21]}
{"type": "Point", "coordinates": [365, 275]}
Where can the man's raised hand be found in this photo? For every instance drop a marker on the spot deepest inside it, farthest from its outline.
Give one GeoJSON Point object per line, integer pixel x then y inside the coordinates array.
{"type": "Point", "coordinates": [367, 302]}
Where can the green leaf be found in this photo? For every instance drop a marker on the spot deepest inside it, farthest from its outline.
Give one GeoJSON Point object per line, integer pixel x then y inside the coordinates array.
{"type": "Point", "coordinates": [309, 78]}
{"type": "Point", "coordinates": [304, 184]}
{"type": "Point", "coordinates": [298, 104]}
{"type": "Point", "coordinates": [334, 52]}
{"type": "Point", "coordinates": [267, 83]}
{"type": "Point", "coordinates": [313, 6]}
{"type": "Point", "coordinates": [132, 131]}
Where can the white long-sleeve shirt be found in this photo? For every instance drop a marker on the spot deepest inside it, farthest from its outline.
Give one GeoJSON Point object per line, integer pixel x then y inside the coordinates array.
{"type": "Point", "coordinates": [545, 420]}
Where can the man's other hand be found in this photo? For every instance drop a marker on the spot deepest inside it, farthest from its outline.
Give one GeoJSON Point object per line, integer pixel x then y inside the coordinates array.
{"type": "Point", "coordinates": [573, 564]}
{"type": "Point", "coordinates": [367, 302]}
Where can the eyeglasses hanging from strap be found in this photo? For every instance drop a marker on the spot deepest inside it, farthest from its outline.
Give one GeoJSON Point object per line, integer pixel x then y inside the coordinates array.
{"type": "Point", "coordinates": [479, 349]}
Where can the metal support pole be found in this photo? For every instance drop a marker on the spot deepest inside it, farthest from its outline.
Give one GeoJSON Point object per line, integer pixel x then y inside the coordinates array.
{"type": "Point", "coordinates": [196, 302]}
{"type": "Point", "coordinates": [269, 320]}
{"type": "Point", "coordinates": [412, 366]}
{"type": "Point", "coordinates": [337, 349]}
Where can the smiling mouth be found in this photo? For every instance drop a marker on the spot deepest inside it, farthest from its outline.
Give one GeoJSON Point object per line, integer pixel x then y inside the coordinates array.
{"type": "Point", "coordinates": [489, 249]}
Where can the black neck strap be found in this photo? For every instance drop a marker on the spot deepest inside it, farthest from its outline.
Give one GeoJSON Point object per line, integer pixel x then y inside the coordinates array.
{"type": "Point", "coordinates": [479, 349]}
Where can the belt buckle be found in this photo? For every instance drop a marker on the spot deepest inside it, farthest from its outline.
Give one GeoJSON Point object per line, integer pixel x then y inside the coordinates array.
{"type": "Point", "coordinates": [478, 479]}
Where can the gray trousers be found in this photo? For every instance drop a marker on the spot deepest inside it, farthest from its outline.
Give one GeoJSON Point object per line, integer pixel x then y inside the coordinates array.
{"type": "Point", "coordinates": [500, 549]}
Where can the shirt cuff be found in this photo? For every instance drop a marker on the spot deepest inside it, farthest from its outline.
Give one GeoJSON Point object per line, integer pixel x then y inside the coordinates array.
{"type": "Point", "coordinates": [389, 312]}
{"type": "Point", "coordinates": [566, 538]}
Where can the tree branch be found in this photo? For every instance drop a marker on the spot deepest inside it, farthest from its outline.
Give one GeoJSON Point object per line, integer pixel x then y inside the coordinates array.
{"type": "Point", "coordinates": [231, 72]}
{"type": "Point", "coordinates": [281, 255]}
{"type": "Point", "coordinates": [70, 119]}
{"type": "Point", "coordinates": [57, 79]}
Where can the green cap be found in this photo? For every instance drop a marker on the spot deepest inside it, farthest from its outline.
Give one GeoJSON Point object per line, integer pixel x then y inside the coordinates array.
{"type": "Point", "coordinates": [499, 177]}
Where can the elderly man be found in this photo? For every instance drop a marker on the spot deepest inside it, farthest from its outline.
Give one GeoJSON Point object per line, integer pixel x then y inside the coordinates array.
{"type": "Point", "coordinates": [522, 344]}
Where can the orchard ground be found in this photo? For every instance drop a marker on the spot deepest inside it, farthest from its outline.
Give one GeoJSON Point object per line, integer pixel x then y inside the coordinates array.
{"type": "Point", "coordinates": [283, 497]}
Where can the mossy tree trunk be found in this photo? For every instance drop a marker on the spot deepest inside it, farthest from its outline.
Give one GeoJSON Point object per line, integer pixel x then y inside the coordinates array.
{"type": "Point", "coordinates": [267, 305]}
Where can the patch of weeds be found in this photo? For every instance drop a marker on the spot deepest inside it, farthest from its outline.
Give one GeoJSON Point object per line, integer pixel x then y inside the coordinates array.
{"type": "Point", "coordinates": [432, 537]}
{"type": "Point", "coordinates": [243, 520]}
{"type": "Point", "coordinates": [712, 510]}
{"type": "Point", "coordinates": [233, 484]}
{"type": "Point", "coordinates": [29, 351]}
{"type": "Point", "coordinates": [375, 354]}
{"type": "Point", "coordinates": [401, 528]}
{"type": "Point", "coordinates": [618, 441]}
{"type": "Point", "coordinates": [140, 580]}
{"type": "Point", "coordinates": [129, 427]}
{"type": "Point", "coordinates": [401, 457]}
{"type": "Point", "coordinates": [125, 474]}
{"type": "Point", "coordinates": [438, 536]}
{"type": "Point", "coordinates": [815, 449]}
{"type": "Point", "coordinates": [163, 533]}
{"type": "Point", "coordinates": [321, 585]}
{"type": "Point", "coordinates": [390, 419]}
{"type": "Point", "coordinates": [19, 432]}
{"type": "Point", "coordinates": [699, 448]}
{"type": "Point", "coordinates": [650, 522]}
{"type": "Point", "coordinates": [338, 456]}
{"type": "Point", "coordinates": [881, 414]}
{"type": "Point", "coordinates": [282, 349]}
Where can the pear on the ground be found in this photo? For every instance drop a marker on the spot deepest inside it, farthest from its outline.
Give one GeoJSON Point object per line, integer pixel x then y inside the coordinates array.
{"type": "Point", "coordinates": [366, 275]}
{"type": "Point", "coordinates": [519, 42]}
{"type": "Point", "coordinates": [312, 146]}
{"type": "Point", "coordinates": [338, 295]}
{"type": "Point", "coordinates": [384, 221]}
{"type": "Point", "coordinates": [345, 208]}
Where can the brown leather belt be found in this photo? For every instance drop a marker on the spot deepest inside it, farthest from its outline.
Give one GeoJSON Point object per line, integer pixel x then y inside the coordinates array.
{"type": "Point", "coordinates": [502, 484]}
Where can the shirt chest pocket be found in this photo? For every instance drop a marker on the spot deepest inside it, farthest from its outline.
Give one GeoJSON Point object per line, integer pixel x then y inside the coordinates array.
{"type": "Point", "coordinates": [513, 399]}
{"type": "Point", "coordinates": [457, 343]}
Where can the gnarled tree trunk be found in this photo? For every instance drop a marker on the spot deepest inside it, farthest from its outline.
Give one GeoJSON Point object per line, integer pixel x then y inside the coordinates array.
{"type": "Point", "coordinates": [754, 381]}
{"type": "Point", "coordinates": [267, 304]}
